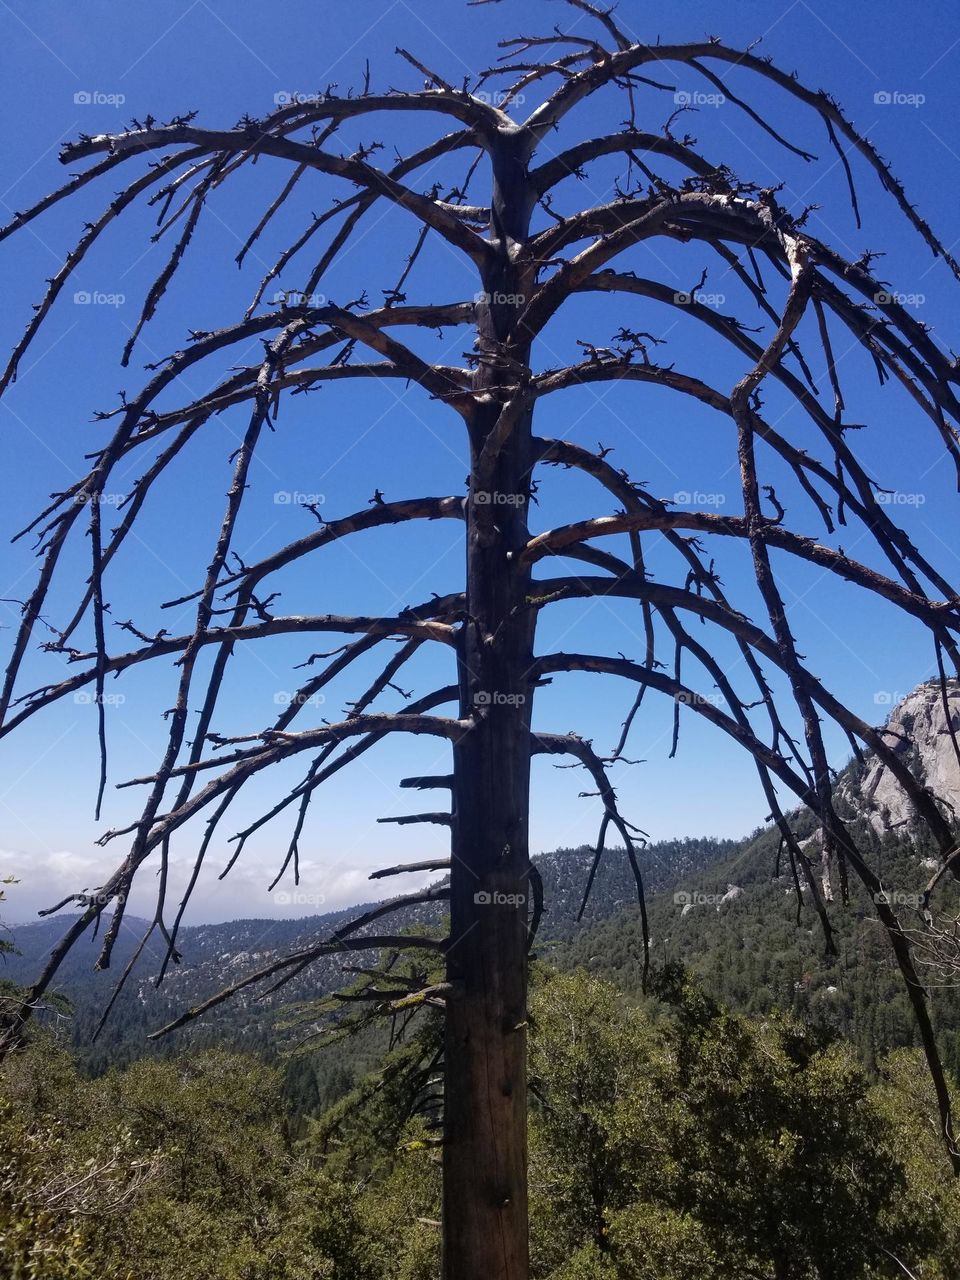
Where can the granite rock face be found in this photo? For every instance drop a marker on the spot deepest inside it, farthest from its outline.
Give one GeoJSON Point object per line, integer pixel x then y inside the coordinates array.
{"type": "Point", "coordinates": [919, 731]}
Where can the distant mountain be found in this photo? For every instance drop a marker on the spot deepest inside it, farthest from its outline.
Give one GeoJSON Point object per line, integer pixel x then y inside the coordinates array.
{"type": "Point", "coordinates": [735, 922]}
{"type": "Point", "coordinates": [724, 907]}
{"type": "Point", "coordinates": [215, 955]}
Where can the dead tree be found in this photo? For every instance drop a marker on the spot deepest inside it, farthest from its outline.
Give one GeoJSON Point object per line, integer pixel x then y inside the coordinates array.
{"type": "Point", "coordinates": [511, 217]}
{"type": "Point", "coordinates": [936, 946]}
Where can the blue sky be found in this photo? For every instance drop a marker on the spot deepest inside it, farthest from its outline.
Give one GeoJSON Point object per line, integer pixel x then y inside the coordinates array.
{"type": "Point", "coordinates": [71, 68]}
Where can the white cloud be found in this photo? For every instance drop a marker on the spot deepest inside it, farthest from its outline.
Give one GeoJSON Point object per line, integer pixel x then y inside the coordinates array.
{"type": "Point", "coordinates": [325, 885]}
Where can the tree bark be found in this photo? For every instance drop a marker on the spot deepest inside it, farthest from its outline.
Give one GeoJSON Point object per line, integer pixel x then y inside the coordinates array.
{"type": "Point", "coordinates": [485, 1113]}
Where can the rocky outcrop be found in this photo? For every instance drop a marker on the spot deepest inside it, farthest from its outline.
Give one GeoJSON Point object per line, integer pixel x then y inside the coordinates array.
{"type": "Point", "coordinates": [928, 743]}
{"type": "Point", "coordinates": [919, 731]}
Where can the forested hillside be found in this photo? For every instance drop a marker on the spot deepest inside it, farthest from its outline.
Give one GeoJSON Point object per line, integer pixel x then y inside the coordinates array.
{"type": "Point", "coordinates": [758, 1109]}
{"type": "Point", "coordinates": [695, 1144]}
{"type": "Point", "coordinates": [726, 909]}
{"type": "Point", "coordinates": [735, 925]}
{"type": "Point", "coordinates": [217, 954]}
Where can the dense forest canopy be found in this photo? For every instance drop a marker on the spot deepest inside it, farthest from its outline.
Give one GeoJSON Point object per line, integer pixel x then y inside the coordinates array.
{"type": "Point", "coordinates": [673, 1142]}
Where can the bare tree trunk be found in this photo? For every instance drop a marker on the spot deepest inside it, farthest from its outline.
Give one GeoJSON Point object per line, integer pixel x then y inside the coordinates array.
{"type": "Point", "coordinates": [485, 1156]}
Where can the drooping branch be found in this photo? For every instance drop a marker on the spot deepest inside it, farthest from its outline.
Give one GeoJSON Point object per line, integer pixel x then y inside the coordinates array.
{"type": "Point", "coordinates": [938, 613]}
{"type": "Point", "coordinates": [273, 745]}
{"type": "Point", "coordinates": [779, 767]}
{"type": "Point", "coordinates": [669, 599]}
{"type": "Point", "coordinates": [614, 66]}
{"type": "Point", "coordinates": [431, 864]}
{"type": "Point", "coordinates": [261, 142]}
{"type": "Point", "coordinates": [437, 894]}
{"type": "Point", "coordinates": [302, 958]}
{"type": "Point", "coordinates": [582, 750]}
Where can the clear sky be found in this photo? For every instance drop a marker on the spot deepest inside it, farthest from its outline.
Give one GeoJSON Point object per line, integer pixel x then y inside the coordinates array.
{"type": "Point", "coordinates": [70, 68]}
